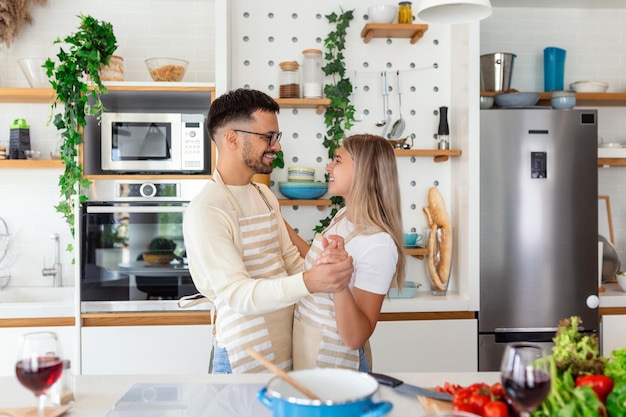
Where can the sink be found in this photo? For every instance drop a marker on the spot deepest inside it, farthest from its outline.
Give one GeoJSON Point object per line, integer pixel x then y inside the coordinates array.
{"type": "Point", "coordinates": [37, 295]}
{"type": "Point", "coordinates": [36, 302]}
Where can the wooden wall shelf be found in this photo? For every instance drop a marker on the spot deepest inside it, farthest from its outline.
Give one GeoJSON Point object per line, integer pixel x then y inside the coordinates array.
{"type": "Point", "coordinates": [418, 253]}
{"type": "Point", "coordinates": [582, 99]}
{"type": "Point", "coordinates": [393, 30]}
{"type": "Point", "coordinates": [30, 163]}
{"type": "Point", "coordinates": [319, 202]}
{"type": "Point", "coordinates": [438, 155]}
{"type": "Point", "coordinates": [319, 104]}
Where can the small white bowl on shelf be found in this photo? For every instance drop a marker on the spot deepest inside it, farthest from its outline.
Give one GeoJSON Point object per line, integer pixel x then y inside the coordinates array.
{"type": "Point", "coordinates": [621, 281]}
{"type": "Point", "coordinates": [382, 13]}
{"type": "Point", "coordinates": [589, 86]}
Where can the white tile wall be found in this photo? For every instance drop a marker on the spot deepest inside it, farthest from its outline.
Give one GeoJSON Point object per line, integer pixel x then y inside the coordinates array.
{"type": "Point", "coordinates": [145, 28]}
{"type": "Point", "coordinates": [595, 41]}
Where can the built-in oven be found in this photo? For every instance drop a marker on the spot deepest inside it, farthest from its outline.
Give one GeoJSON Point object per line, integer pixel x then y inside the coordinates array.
{"type": "Point", "coordinates": [122, 223]}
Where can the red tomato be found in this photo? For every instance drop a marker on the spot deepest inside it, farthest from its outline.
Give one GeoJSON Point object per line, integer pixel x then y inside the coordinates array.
{"type": "Point", "coordinates": [497, 390]}
{"type": "Point", "coordinates": [478, 400]}
{"type": "Point", "coordinates": [461, 397]}
{"type": "Point", "coordinates": [463, 407]}
{"type": "Point", "coordinates": [495, 409]}
{"type": "Point", "coordinates": [601, 385]}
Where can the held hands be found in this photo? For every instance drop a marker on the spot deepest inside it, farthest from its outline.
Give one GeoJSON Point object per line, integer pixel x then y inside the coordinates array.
{"type": "Point", "coordinates": [332, 269]}
{"type": "Point", "coordinates": [334, 250]}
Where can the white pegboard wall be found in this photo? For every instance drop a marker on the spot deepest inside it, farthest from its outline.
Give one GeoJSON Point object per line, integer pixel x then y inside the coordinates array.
{"type": "Point", "coordinates": [267, 33]}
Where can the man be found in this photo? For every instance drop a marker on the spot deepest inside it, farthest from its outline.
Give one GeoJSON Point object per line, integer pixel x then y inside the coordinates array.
{"type": "Point", "coordinates": [238, 246]}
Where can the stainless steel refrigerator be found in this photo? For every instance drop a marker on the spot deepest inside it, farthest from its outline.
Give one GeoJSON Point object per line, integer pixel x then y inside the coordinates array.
{"type": "Point", "coordinates": [538, 225]}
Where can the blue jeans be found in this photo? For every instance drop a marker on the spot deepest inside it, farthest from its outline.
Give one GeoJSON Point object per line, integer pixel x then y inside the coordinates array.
{"type": "Point", "coordinates": [221, 364]}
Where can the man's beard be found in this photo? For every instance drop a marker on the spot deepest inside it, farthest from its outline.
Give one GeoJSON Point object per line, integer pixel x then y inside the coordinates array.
{"type": "Point", "coordinates": [253, 162]}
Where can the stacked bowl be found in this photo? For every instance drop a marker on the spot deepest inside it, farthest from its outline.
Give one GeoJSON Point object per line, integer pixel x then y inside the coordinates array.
{"type": "Point", "coordinates": [300, 184]}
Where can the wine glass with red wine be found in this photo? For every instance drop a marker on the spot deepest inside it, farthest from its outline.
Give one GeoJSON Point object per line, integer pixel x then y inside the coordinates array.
{"type": "Point", "coordinates": [525, 375]}
{"type": "Point", "coordinates": [39, 364]}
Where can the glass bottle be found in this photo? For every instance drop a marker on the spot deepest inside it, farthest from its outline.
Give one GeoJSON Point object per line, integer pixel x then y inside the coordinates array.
{"type": "Point", "coordinates": [289, 79]}
{"type": "Point", "coordinates": [312, 75]}
{"type": "Point", "coordinates": [405, 13]}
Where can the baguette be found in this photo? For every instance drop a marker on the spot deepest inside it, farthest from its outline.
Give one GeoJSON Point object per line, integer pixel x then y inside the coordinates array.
{"type": "Point", "coordinates": [440, 240]}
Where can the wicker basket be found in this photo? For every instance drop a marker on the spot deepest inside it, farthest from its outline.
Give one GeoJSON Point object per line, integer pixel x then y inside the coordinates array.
{"type": "Point", "coordinates": [159, 258]}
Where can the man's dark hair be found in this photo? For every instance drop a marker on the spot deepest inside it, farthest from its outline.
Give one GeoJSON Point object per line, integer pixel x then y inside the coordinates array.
{"type": "Point", "coordinates": [238, 104]}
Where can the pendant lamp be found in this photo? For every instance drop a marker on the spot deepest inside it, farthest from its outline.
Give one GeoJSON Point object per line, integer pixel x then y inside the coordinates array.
{"type": "Point", "coordinates": [453, 11]}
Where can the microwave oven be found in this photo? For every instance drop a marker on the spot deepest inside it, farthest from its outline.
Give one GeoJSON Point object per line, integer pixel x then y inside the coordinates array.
{"type": "Point", "coordinates": [154, 143]}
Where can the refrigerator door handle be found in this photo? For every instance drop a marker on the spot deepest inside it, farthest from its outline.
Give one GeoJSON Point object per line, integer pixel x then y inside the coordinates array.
{"type": "Point", "coordinates": [525, 329]}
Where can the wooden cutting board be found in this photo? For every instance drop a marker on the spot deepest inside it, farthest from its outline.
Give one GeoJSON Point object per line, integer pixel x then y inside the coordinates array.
{"type": "Point", "coordinates": [32, 411]}
{"type": "Point", "coordinates": [434, 406]}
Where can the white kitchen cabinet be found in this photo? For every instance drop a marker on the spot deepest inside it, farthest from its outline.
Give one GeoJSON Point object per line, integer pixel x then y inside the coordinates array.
{"type": "Point", "coordinates": [613, 334]}
{"type": "Point", "coordinates": [147, 350]}
{"type": "Point", "coordinates": [10, 336]}
{"type": "Point", "coordinates": [425, 346]}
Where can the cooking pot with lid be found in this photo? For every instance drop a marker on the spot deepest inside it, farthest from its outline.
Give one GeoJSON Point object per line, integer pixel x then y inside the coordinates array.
{"type": "Point", "coordinates": [343, 392]}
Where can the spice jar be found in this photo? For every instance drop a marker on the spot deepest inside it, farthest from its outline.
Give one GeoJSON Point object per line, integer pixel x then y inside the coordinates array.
{"type": "Point", "coordinates": [312, 75]}
{"type": "Point", "coordinates": [405, 14]}
{"type": "Point", "coordinates": [289, 79]}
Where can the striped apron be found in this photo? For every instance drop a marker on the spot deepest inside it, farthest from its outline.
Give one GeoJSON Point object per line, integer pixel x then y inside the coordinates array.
{"type": "Point", "coordinates": [316, 340]}
{"type": "Point", "coordinates": [269, 333]}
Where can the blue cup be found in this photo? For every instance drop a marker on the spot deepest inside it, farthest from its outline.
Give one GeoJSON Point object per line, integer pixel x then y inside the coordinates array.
{"type": "Point", "coordinates": [553, 68]}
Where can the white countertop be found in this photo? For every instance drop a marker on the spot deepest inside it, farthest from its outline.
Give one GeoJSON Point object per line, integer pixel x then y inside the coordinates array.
{"type": "Point", "coordinates": [613, 296]}
{"type": "Point", "coordinates": [96, 395]}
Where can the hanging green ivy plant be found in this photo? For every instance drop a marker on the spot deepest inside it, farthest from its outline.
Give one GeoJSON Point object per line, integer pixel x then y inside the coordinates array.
{"type": "Point", "coordinates": [92, 45]}
{"type": "Point", "coordinates": [339, 115]}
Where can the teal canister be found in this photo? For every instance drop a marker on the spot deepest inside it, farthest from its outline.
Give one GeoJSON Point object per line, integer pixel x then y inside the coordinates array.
{"type": "Point", "coordinates": [19, 139]}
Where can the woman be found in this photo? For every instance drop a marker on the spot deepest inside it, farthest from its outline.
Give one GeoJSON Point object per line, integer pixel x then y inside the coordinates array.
{"type": "Point", "coordinates": [332, 330]}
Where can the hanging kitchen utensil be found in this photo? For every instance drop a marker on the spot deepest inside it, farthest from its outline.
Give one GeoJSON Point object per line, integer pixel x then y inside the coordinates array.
{"type": "Point", "coordinates": [398, 126]}
{"type": "Point", "coordinates": [383, 121]}
{"type": "Point", "coordinates": [387, 114]}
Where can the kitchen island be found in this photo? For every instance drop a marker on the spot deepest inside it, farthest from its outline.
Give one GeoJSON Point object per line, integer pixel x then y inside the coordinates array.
{"type": "Point", "coordinates": [97, 395]}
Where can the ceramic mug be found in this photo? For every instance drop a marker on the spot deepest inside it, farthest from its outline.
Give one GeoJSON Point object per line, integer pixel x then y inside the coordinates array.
{"type": "Point", "coordinates": [412, 239]}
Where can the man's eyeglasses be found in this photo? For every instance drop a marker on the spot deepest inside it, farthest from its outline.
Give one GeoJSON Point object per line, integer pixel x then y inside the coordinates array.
{"type": "Point", "coordinates": [272, 137]}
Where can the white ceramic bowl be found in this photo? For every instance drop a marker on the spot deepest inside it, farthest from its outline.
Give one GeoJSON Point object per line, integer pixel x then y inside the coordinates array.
{"type": "Point", "coordinates": [563, 102]}
{"type": "Point", "coordinates": [382, 13]}
{"type": "Point", "coordinates": [589, 86]}
{"type": "Point", "coordinates": [621, 281]}
{"type": "Point", "coordinates": [516, 99]}
{"type": "Point", "coordinates": [34, 72]}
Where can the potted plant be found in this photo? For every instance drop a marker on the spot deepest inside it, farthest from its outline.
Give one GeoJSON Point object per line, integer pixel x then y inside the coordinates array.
{"type": "Point", "coordinates": [339, 115]}
{"type": "Point", "coordinates": [91, 46]}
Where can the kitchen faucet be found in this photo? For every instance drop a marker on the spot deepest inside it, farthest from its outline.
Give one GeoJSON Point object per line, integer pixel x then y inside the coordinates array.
{"type": "Point", "coordinates": [55, 271]}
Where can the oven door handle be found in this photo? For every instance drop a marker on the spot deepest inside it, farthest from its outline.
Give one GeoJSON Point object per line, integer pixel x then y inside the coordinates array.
{"type": "Point", "coordinates": [136, 209]}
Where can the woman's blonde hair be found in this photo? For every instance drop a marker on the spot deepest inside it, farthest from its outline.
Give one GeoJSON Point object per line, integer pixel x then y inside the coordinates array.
{"type": "Point", "coordinates": [375, 193]}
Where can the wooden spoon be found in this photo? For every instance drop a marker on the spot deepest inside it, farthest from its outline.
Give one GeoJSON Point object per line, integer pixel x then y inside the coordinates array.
{"type": "Point", "coordinates": [282, 374]}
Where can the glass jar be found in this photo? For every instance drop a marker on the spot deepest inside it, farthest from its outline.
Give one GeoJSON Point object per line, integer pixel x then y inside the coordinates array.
{"type": "Point", "coordinates": [312, 74]}
{"type": "Point", "coordinates": [289, 79]}
{"type": "Point", "coordinates": [405, 14]}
